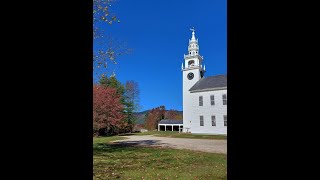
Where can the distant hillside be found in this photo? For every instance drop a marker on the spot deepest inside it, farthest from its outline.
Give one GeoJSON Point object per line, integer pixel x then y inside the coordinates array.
{"type": "Point", "coordinates": [141, 116]}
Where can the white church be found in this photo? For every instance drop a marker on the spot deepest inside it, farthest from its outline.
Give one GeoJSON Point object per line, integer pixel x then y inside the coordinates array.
{"type": "Point", "coordinates": [204, 98]}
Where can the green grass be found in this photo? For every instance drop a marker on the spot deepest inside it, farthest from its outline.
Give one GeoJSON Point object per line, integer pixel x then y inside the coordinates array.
{"type": "Point", "coordinates": [97, 140]}
{"type": "Point", "coordinates": [130, 162]}
{"type": "Point", "coordinates": [176, 134]}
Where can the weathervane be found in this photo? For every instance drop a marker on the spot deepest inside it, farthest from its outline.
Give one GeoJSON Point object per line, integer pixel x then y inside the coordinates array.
{"type": "Point", "coordinates": [192, 29]}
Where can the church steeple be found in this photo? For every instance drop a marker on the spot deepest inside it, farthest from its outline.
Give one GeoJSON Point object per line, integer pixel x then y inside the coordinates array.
{"type": "Point", "coordinates": [192, 72]}
{"type": "Point", "coordinates": [193, 47]}
{"type": "Point", "coordinates": [193, 58]}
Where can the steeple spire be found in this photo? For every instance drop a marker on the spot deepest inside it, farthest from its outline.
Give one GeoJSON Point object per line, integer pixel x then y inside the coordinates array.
{"type": "Point", "coordinates": [193, 58]}
{"type": "Point", "coordinates": [193, 38]}
{"type": "Point", "coordinates": [193, 47]}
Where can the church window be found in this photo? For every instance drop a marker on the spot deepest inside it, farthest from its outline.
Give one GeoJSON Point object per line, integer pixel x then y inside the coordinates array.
{"type": "Point", "coordinates": [224, 99]}
{"type": "Point", "coordinates": [225, 120]}
{"type": "Point", "coordinates": [213, 120]}
{"type": "Point", "coordinates": [189, 52]}
{"type": "Point", "coordinates": [200, 101]}
{"type": "Point", "coordinates": [201, 121]}
{"type": "Point", "coordinates": [212, 99]}
{"type": "Point", "coordinates": [191, 62]}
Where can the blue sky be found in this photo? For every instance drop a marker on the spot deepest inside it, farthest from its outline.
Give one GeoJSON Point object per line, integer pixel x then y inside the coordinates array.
{"type": "Point", "coordinates": [158, 32]}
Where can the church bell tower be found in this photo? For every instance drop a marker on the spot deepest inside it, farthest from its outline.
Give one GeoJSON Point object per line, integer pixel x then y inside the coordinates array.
{"type": "Point", "coordinates": [192, 71]}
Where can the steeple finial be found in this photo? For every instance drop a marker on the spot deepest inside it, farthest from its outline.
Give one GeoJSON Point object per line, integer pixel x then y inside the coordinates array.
{"type": "Point", "coordinates": [193, 38]}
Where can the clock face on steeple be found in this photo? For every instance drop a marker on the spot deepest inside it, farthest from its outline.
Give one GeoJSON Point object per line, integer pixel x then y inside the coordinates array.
{"type": "Point", "coordinates": [190, 76]}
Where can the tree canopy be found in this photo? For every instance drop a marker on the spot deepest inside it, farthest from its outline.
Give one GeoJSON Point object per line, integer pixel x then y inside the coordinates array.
{"type": "Point", "coordinates": [107, 110]}
{"type": "Point", "coordinates": [154, 116]}
{"type": "Point", "coordinates": [128, 97]}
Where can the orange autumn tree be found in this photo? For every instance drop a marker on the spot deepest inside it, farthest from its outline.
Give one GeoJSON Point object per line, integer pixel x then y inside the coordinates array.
{"type": "Point", "coordinates": [107, 111]}
{"type": "Point", "coordinates": [154, 116]}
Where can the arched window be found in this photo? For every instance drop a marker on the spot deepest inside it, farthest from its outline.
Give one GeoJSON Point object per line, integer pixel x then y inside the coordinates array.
{"type": "Point", "coordinates": [191, 62]}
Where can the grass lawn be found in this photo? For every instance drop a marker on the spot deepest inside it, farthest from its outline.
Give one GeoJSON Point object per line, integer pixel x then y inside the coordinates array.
{"type": "Point", "coordinates": [176, 134]}
{"type": "Point", "coordinates": [131, 162]}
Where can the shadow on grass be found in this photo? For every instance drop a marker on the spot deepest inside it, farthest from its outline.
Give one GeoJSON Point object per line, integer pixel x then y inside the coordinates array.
{"type": "Point", "coordinates": [137, 143]}
{"type": "Point", "coordinates": [128, 134]}
{"type": "Point", "coordinates": [124, 146]}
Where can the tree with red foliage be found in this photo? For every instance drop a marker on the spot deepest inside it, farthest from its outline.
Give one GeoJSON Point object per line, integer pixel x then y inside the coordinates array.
{"type": "Point", "coordinates": [107, 111]}
{"type": "Point", "coordinates": [154, 116]}
{"type": "Point", "coordinates": [129, 93]}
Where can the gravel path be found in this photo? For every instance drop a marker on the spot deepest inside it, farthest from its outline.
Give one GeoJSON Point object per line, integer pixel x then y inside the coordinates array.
{"type": "Point", "coordinates": [212, 146]}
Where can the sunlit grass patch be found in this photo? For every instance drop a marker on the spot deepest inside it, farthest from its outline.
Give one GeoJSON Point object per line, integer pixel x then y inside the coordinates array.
{"type": "Point", "coordinates": [113, 162]}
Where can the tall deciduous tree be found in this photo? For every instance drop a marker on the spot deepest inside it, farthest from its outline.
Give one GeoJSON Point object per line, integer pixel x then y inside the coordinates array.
{"type": "Point", "coordinates": [131, 100]}
{"type": "Point", "coordinates": [132, 94]}
{"type": "Point", "coordinates": [107, 110]}
{"type": "Point", "coordinates": [129, 94]}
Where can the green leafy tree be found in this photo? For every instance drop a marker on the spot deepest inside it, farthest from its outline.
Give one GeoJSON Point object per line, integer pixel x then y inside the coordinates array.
{"type": "Point", "coordinates": [114, 83]}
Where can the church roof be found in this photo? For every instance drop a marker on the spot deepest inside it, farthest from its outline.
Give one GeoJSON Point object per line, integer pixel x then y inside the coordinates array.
{"type": "Point", "coordinates": [170, 121]}
{"type": "Point", "coordinates": [210, 83]}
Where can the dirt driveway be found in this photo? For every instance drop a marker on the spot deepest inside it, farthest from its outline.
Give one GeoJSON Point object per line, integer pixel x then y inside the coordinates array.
{"type": "Point", "coordinates": [213, 146]}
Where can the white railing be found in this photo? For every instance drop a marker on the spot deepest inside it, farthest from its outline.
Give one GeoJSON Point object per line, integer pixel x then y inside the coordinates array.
{"type": "Point", "coordinates": [189, 55]}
